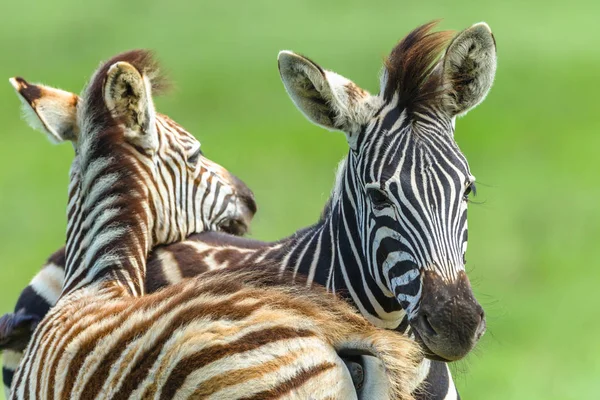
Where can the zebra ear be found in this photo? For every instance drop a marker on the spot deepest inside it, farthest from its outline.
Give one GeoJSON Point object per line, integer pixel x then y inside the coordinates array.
{"type": "Point", "coordinates": [128, 97]}
{"type": "Point", "coordinates": [469, 67]}
{"type": "Point", "coordinates": [48, 110]}
{"type": "Point", "coordinates": [324, 97]}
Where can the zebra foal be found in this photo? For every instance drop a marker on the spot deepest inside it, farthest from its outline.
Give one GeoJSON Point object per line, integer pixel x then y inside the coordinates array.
{"type": "Point", "coordinates": [104, 340]}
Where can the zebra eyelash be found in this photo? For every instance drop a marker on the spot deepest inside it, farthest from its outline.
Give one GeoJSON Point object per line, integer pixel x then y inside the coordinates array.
{"type": "Point", "coordinates": [470, 190]}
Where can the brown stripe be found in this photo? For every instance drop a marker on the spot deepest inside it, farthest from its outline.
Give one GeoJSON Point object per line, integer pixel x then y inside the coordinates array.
{"type": "Point", "coordinates": [185, 315]}
{"type": "Point", "coordinates": [226, 309]}
{"type": "Point", "coordinates": [58, 259]}
{"type": "Point", "coordinates": [28, 357]}
{"type": "Point", "coordinates": [83, 349]}
{"type": "Point", "coordinates": [235, 377]}
{"type": "Point", "coordinates": [292, 383]}
{"type": "Point", "coordinates": [49, 346]}
{"type": "Point", "coordinates": [251, 341]}
{"type": "Point", "coordinates": [155, 277]}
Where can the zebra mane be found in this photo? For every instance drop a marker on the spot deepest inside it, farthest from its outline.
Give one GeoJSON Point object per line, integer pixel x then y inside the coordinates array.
{"type": "Point", "coordinates": [410, 68]}
{"type": "Point", "coordinates": [143, 60]}
{"type": "Point", "coordinates": [100, 150]}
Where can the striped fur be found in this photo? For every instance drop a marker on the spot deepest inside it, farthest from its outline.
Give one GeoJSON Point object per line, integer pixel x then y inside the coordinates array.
{"type": "Point", "coordinates": [308, 251]}
{"type": "Point", "coordinates": [103, 338]}
{"type": "Point", "coordinates": [229, 335]}
{"type": "Point", "coordinates": [54, 112]}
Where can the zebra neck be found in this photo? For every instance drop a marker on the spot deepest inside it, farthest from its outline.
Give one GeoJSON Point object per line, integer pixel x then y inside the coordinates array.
{"type": "Point", "coordinates": [108, 229]}
{"type": "Point", "coordinates": [330, 253]}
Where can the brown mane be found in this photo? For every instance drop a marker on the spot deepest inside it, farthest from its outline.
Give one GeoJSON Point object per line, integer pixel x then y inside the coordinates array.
{"type": "Point", "coordinates": [143, 60]}
{"type": "Point", "coordinates": [103, 136]}
{"type": "Point", "coordinates": [410, 65]}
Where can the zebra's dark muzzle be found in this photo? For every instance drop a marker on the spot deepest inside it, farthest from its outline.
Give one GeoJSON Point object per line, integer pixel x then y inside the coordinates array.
{"type": "Point", "coordinates": [246, 208]}
{"type": "Point", "coordinates": [450, 321]}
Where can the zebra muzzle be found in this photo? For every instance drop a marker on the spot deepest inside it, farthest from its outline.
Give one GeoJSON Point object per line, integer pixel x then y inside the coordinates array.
{"type": "Point", "coordinates": [449, 321]}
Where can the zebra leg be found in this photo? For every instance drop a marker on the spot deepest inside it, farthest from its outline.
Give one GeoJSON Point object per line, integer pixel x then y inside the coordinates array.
{"type": "Point", "coordinates": [370, 381]}
{"type": "Point", "coordinates": [368, 376]}
{"type": "Point", "coordinates": [438, 384]}
{"type": "Point", "coordinates": [10, 362]}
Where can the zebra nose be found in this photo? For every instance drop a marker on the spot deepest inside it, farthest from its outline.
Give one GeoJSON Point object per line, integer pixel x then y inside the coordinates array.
{"type": "Point", "coordinates": [481, 328]}
{"type": "Point", "coordinates": [248, 200]}
{"type": "Point", "coordinates": [450, 321]}
{"type": "Point", "coordinates": [427, 328]}
{"type": "Point", "coordinates": [245, 195]}
{"type": "Point", "coordinates": [246, 207]}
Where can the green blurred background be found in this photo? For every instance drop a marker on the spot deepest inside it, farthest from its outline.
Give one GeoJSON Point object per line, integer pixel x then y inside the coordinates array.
{"type": "Point", "coordinates": [533, 146]}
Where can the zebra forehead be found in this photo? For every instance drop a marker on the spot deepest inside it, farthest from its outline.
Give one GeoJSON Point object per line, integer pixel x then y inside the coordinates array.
{"type": "Point", "coordinates": [412, 155]}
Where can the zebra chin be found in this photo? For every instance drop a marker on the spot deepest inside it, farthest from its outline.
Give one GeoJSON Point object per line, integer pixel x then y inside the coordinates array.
{"type": "Point", "coordinates": [448, 321]}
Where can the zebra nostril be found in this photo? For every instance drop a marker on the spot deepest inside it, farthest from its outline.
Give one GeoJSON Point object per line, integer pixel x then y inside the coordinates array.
{"type": "Point", "coordinates": [429, 330]}
{"type": "Point", "coordinates": [250, 203]}
{"type": "Point", "coordinates": [234, 227]}
{"type": "Point", "coordinates": [481, 327]}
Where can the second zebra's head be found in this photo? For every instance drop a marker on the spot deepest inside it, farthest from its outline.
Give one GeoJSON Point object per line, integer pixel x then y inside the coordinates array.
{"type": "Point", "coordinates": [206, 195]}
{"type": "Point", "coordinates": [405, 183]}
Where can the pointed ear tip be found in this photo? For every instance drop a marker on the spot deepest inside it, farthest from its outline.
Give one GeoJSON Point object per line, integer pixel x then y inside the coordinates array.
{"type": "Point", "coordinates": [121, 65]}
{"type": "Point", "coordinates": [114, 66]}
{"type": "Point", "coordinates": [285, 53]}
{"type": "Point", "coordinates": [284, 58]}
{"type": "Point", "coordinates": [17, 82]}
{"type": "Point", "coordinates": [482, 25]}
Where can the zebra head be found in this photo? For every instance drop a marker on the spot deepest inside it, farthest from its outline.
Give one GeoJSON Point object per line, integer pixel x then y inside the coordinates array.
{"type": "Point", "coordinates": [54, 112]}
{"type": "Point", "coordinates": [405, 183]}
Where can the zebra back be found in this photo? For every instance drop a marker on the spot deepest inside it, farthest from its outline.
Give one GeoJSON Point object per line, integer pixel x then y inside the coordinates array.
{"type": "Point", "coordinates": [237, 333]}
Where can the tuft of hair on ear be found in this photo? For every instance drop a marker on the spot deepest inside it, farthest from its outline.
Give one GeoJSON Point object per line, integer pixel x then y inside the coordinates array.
{"type": "Point", "coordinates": [146, 63]}
{"type": "Point", "coordinates": [93, 106]}
{"type": "Point", "coordinates": [410, 67]}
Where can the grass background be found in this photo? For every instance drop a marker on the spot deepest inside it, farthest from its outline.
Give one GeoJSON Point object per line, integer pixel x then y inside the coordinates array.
{"type": "Point", "coordinates": [533, 146]}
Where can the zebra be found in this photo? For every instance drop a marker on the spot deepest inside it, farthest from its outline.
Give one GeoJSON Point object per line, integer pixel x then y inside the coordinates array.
{"type": "Point", "coordinates": [306, 251]}
{"type": "Point", "coordinates": [53, 112]}
{"type": "Point", "coordinates": [232, 334]}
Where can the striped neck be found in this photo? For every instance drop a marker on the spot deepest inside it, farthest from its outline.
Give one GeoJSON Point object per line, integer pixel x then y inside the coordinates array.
{"type": "Point", "coordinates": [109, 220]}
{"type": "Point", "coordinates": [330, 253]}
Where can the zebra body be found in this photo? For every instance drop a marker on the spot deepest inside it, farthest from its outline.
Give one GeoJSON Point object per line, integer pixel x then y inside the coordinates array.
{"type": "Point", "coordinates": [103, 330]}
{"type": "Point", "coordinates": [223, 336]}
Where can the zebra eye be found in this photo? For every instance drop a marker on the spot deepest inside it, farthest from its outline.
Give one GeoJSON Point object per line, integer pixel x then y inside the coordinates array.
{"type": "Point", "coordinates": [378, 198]}
{"type": "Point", "coordinates": [470, 189]}
{"type": "Point", "coordinates": [193, 158]}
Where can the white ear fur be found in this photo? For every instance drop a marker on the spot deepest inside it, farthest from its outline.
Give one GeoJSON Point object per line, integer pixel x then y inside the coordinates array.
{"type": "Point", "coordinates": [469, 67]}
{"type": "Point", "coordinates": [324, 97]}
{"type": "Point", "coordinates": [128, 96]}
{"type": "Point", "coordinates": [49, 110]}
